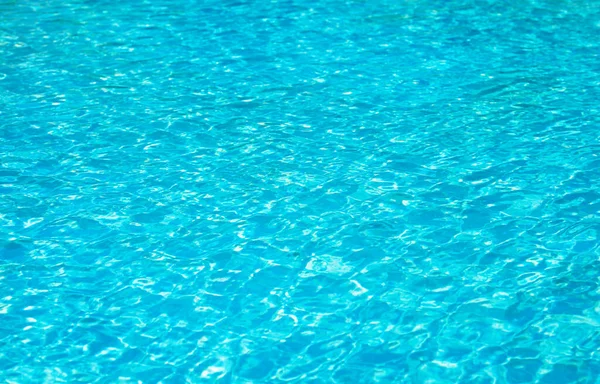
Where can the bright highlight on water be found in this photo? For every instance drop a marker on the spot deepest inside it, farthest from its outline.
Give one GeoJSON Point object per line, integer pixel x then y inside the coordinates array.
{"type": "Point", "coordinates": [289, 191]}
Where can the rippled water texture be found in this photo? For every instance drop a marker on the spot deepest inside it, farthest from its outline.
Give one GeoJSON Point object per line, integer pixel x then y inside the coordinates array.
{"type": "Point", "coordinates": [301, 192]}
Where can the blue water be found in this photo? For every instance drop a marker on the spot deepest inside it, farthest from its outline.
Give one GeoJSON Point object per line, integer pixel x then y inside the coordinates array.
{"type": "Point", "coordinates": [299, 192]}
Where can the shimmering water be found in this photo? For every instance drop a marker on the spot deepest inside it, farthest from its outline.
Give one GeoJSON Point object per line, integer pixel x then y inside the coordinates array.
{"type": "Point", "coordinates": [303, 192]}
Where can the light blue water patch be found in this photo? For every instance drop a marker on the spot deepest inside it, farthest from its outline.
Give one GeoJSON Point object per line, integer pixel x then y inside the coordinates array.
{"type": "Point", "coordinates": [303, 192]}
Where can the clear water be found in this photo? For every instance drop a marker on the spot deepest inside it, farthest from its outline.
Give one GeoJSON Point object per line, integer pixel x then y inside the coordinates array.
{"type": "Point", "coordinates": [301, 192]}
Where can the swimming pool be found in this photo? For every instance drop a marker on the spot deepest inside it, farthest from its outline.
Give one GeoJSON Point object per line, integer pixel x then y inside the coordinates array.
{"type": "Point", "coordinates": [305, 192]}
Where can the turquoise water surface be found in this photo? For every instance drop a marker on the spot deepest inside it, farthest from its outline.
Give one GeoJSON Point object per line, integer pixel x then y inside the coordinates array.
{"type": "Point", "coordinates": [290, 191]}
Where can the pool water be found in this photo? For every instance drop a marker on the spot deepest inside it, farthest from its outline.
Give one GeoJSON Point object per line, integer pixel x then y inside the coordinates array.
{"type": "Point", "coordinates": [289, 191]}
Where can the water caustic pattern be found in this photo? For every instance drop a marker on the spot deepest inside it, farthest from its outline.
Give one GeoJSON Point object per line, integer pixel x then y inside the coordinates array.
{"type": "Point", "coordinates": [301, 192]}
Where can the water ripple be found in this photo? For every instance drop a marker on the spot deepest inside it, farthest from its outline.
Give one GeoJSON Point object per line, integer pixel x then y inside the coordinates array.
{"type": "Point", "coordinates": [339, 192]}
